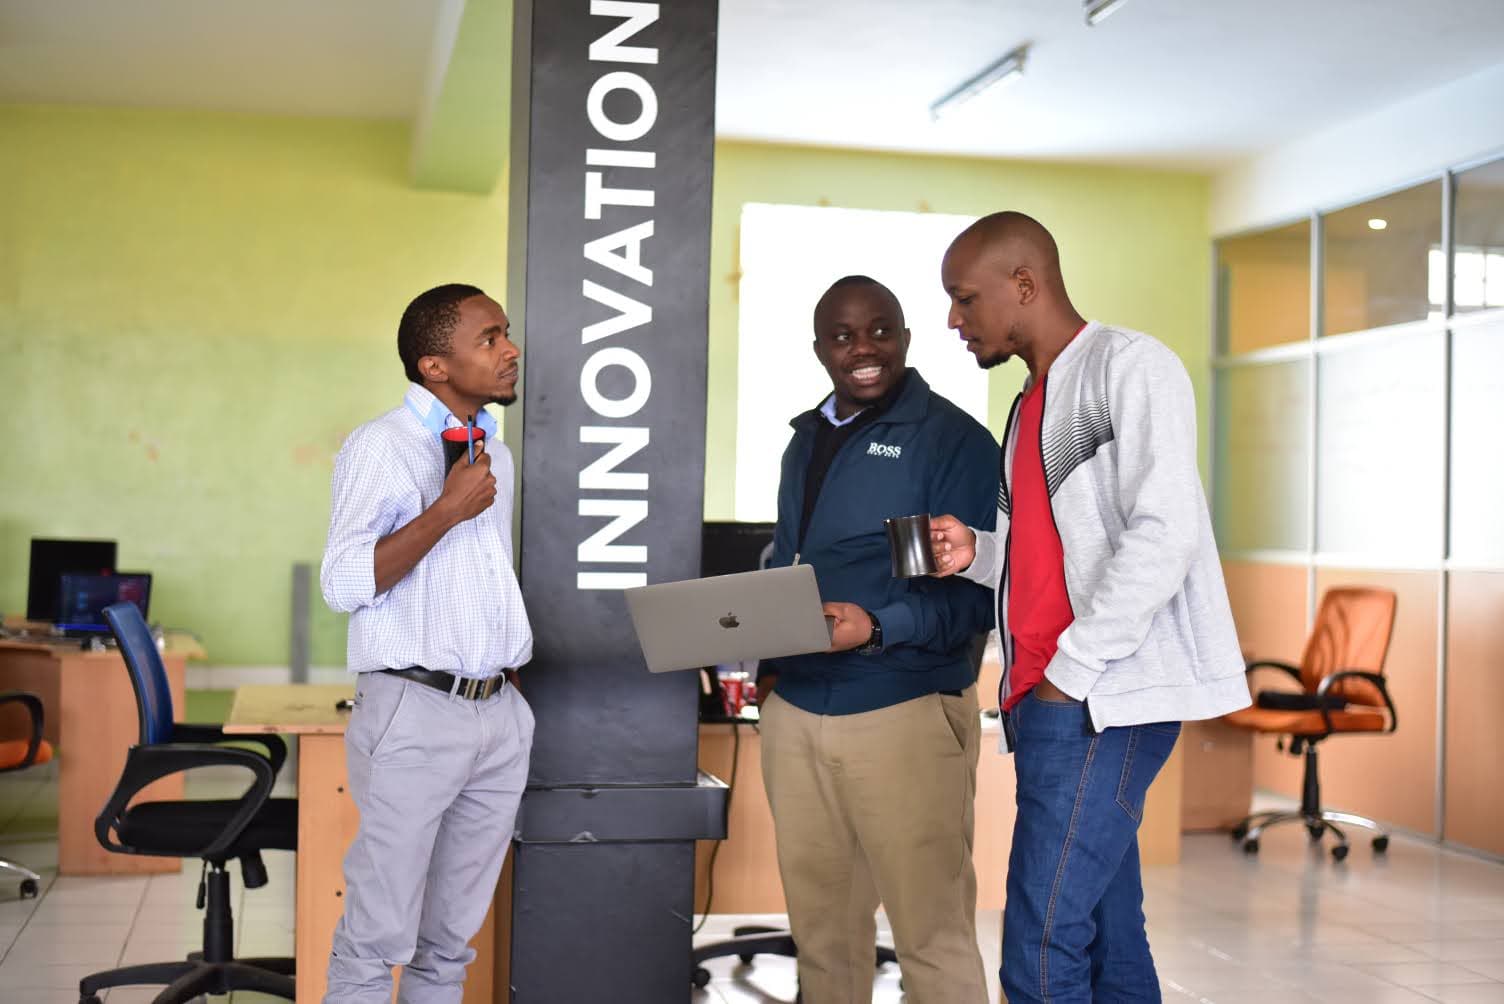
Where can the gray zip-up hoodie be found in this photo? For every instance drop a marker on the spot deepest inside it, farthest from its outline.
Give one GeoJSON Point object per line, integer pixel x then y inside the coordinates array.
{"type": "Point", "coordinates": [1153, 637]}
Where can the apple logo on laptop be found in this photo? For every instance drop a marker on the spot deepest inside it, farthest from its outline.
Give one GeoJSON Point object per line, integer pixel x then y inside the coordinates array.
{"type": "Point", "coordinates": [730, 621]}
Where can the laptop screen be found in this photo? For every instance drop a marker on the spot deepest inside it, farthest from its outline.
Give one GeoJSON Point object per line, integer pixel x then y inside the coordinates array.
{"type": "Point", "coordinates": [83, 597]}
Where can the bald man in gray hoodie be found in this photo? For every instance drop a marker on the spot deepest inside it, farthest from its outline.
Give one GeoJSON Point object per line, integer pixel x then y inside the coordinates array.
{"type": "Point", "coordinates": [1113, 620]}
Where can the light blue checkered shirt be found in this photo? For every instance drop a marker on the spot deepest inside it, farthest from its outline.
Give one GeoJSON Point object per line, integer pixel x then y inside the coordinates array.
{"type": "Point", "coordinates": [828, 409]}
{"type": "Point", "coordinates": [460, 608]}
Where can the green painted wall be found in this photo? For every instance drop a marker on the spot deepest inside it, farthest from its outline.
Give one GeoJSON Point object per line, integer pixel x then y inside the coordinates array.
{"type": "Point", "coordinates": [1134, 245]}
{"type": "Point", "coordinates": [461, 143]}
{"type": "Point", "coordinates": [194, 311]}
{"type": "Point", "coordinates": [196, 308]}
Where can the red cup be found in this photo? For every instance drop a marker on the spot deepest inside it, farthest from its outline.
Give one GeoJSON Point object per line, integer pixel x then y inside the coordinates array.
{"type": "Point", "coordinates": [457, 443]}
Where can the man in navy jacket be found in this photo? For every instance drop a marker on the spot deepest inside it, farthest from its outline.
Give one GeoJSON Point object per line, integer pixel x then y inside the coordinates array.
{"type": "Point", "coordinates": [869, 750]}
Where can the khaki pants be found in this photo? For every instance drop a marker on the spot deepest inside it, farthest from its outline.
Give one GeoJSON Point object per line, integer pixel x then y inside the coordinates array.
{"type": "Point", "coordinates": [878, 807]}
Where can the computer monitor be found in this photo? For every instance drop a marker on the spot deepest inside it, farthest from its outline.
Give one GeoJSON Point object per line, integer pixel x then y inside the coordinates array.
{"type": "Point", "coordinates": [82, 597]}
{"type": "Point", "coordinates": [726, 548]}
{"type": "Point", "coordinates": [50, 559]}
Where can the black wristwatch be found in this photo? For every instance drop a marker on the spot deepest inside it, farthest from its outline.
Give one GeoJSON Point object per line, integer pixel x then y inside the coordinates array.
{"type": "Point", "coordinates": [874, 644]}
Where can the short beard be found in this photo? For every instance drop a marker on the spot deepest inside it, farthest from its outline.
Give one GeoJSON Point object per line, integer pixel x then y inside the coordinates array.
{"type": "Point", "coordinates": [505, 400]}
{"type": "Point", "coordinates": [993, 361]}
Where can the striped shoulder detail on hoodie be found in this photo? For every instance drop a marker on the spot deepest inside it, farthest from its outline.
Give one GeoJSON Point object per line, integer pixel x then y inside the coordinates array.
{"type": "Point", "coordinates": [1074, 442]}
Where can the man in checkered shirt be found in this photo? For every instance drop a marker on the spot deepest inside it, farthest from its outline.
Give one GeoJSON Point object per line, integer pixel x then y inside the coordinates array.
{"type": "Point", "coordinates": [437, 747]}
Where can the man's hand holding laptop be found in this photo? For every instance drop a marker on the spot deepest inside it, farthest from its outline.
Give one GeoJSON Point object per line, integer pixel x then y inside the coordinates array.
{"type": "Point", "coordinates": [851, 627]}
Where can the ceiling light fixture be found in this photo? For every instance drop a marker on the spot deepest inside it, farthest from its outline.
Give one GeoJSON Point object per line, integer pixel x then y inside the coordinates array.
{"type": "Point", "coordinates": [1010, 67]}
{"type": "Point", "coordinates": [1096, 10]}
{"type": "Point", "coordinates": [1377, 224]}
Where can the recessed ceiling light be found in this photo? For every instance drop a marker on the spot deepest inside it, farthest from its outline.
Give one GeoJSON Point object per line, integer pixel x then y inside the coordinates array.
{"type": "Point", "coordinates": [1377, 224]}
{"type": "Point", "coordinates": [1096, 10]}
{"type": "Point", "coordinates": [1010, 67]}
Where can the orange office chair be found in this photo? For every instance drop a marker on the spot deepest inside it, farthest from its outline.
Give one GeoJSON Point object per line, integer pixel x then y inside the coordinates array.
{"type": "Point", "coordinates": [17, 754]}
{"type": "Point", "coordinates": [1342, 691]}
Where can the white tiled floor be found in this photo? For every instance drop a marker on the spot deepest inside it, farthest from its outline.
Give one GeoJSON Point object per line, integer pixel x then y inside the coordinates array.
{"type": "Point", "coordinates": [1420, 924]}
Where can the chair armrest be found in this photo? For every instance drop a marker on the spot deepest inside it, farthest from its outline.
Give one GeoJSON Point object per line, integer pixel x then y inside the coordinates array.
{"type": "Point", "coordinates": [189, 732]}
{"type": "Point", "coordinates": [145, 764]}
{"type": "Point", "coordinates": [1359, 674]}
{"type": "Point", "coordinates": [1284, 667]}
{"type": "Point", "coordinates": [33, 705]}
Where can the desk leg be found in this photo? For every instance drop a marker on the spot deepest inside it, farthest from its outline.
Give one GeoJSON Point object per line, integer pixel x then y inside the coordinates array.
{"type": "Point", "coordinates": [1159, 833]}
{"type": "Point", "coordinates": [327, 821]}
{"type": "Point", "coordinates": [98, 724]}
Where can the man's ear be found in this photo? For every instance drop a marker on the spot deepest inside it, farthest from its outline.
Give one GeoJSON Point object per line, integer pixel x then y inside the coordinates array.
{"type": "Point", "coordinates": [1028, 289]}
{"type": "Point", "coordinates": [433, 369]}
{"type": "Point", "coordinates": [907, 337]}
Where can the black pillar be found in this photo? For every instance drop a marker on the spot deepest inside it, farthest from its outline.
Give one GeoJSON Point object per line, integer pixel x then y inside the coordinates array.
{"type": "Point", "coordinates": [613, 129]}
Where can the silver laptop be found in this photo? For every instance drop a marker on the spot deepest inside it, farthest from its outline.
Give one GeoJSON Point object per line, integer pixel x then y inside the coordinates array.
{"type": "Point", "coordinates": [729, 618]}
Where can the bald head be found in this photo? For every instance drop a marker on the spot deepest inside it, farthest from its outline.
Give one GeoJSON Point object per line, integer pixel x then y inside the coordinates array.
{"type": "Point", "coordinates": [1007, 294]}
{"type": "Point", "coordinates": [1008, 241]}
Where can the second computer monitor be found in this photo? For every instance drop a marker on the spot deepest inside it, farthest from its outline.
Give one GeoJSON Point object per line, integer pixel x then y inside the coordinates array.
{"type": "Point", "coordinates": [50, 560]}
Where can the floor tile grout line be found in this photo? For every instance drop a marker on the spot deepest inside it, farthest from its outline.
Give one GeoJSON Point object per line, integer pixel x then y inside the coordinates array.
{"type": "Point", "coordinates": [35, 906]}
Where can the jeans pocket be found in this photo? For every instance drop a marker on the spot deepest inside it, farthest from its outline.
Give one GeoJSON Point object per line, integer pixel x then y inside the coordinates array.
{"type": "Point", "coordinates": [1069, 702]}
{"type": "Point", "coordinates": [1148, 748]}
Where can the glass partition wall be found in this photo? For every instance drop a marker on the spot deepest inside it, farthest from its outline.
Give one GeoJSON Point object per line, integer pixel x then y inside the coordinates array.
{"type": "Point", "coordinates": [1358, 418]}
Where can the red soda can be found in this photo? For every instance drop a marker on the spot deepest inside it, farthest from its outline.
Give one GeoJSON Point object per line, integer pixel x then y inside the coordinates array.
{"type": "Point", "coordinates": [732, 695]}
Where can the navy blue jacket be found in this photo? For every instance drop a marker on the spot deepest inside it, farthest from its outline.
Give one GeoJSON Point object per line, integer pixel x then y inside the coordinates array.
{"type": "Point", "coordinates": [924, 455]}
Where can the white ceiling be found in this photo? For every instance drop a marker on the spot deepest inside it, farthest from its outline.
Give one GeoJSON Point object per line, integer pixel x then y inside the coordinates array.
{"type": "Point", "coordinates": [1188, 82]}
{"type": "Point", "coordinates": [1195, 83]}
{"type": "Point", "coordinates": [362, 58]}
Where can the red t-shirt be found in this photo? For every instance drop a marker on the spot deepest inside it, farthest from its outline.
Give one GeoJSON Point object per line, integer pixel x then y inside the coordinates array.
{"type": "Point", "coordinates": [1039, 608]}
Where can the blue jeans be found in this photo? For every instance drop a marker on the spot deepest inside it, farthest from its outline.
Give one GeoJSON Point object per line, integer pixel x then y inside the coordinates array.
{"type": "Point", "coordinates": [1073, 926]}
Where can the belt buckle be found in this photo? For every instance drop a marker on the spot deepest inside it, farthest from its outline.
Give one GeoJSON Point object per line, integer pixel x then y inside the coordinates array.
{"type": "Point", "coordinates": [469, 687]}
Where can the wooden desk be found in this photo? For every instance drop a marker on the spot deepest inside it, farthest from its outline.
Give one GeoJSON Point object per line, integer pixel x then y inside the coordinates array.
{"type": "Point", "coordinates": [327, 820]}
{"type": "Point", "coordinates": [746, 868]}
{"type": "Point", "coordinates": [90, 710]}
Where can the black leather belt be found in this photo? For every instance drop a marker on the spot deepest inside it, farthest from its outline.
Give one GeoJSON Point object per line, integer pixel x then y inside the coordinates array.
{"type": "Point", "coordinates": [469, 688]}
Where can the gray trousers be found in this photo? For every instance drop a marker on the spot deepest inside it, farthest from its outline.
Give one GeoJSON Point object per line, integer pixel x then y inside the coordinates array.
{"type": "Point", "coordinates": [437, 781]}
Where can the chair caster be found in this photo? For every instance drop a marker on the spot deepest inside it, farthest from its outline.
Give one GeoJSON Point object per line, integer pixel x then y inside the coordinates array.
{"type": "Point", "coordinates": [91, 999]}
{"type": "Point", "coordinates": [1380, 845]}
{"type": "Point", "coordinates": [1315, 833]}
{"type": "Point", "coordinates": [1239, 832]}
{"type": "Point", "coordinates": [29, 888]}
{"type": "Point", "coordinates": [1250, 846]}
{"type": "Point", "coordinates": [1339, 852]}
{"type": "Point", "coordinates": [700, 977]}
{"type": "Point", "coordinates": [746, 960]}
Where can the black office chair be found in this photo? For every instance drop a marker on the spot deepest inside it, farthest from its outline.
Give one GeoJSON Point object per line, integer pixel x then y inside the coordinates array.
{"type": "Point", "coordinates": [18, 754]}
{"type": "Point", "coordinates": [215, 831]}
